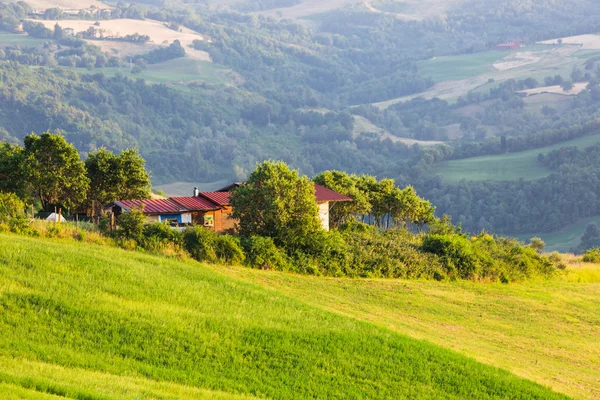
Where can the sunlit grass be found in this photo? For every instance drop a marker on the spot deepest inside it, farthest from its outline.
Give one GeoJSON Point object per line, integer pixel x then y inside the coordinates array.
{"type": "Point", "coordinates": [75, 314]}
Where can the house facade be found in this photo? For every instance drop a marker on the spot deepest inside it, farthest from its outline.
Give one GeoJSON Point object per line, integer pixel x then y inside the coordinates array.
{"type": "Point", "coordinates": [210, 209]}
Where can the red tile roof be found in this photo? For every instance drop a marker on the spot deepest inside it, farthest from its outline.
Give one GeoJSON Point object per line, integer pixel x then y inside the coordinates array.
{"type": "Point", "coordinates": [196, 203]}
{"type": "Point", "coordinates": [158, 206]}
{"type": "Point", "coordinates": [323, 195]}
{"type": "Point", "coordinates": [220, 198]}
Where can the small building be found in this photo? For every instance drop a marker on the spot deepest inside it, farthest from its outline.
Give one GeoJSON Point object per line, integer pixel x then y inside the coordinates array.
{"type": "Point", "coordinates": [157, 210]}
{"type": "Point", "coordinates": [210, 209]}
{"type": "Point", "coordinates": [510, 45]}
{"type": "Point", "coordinates": [69, 31]}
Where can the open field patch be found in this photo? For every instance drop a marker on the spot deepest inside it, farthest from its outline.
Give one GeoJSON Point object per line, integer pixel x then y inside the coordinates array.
{"type": "Point", "coordinates": [563, 240]}
{"type": "Point", "coordinates": [159, 33]}
{"type": "Point", "coordinates": [457, 76]}
{"type": "Point", "coordinates": [65, 4]}
{"type": "Point", "coordinates": [505, 167]}
{"type": "Point", "coordinates": [363, 125]}
{"type": "Point", "coordinates": [588, 42]}
{"type": "Point", "coordinates": [187, 188]}
{"type": "Point", "coordinates": [17, 39]}
{"type": "Point", "coordinates": [128, 316]}
{"type": "Point", "coordinates": [544, 330]}
{"type": "Point", "coordinates": [577, 88]}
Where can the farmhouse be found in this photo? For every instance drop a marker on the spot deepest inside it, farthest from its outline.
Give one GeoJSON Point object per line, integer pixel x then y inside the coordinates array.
{"type": "Point", "coordinates": [210, 209]}
{"type": "Point", "coordinates": [510, 45]}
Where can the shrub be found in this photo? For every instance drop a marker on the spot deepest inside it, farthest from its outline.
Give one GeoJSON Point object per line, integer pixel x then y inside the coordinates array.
{"type": "Point", "coordinates": [537, 244]}
{"type": "Point", "coordinates": [262, 253]}
{"type": "Point", "coordinates": [456, 252]}
{"type": "Point", "coordinates": [228, 250]}
{"type": "Point", "coordinates": [130, 225]}
{"type": "Point", "coordinates": [200, 242]}
{"type": "Point", "coordinates": [592, 255]}
{"type": "Point", "coordinates": [554, 257]}
{"type": "Point", "coordinates": [10, 206]}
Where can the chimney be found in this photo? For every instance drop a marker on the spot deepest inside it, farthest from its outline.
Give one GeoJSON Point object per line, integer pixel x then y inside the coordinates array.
{"type": "Point", "coordinates": [196, 192]}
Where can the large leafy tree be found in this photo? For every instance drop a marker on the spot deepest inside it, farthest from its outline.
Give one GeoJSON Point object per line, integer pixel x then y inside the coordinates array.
{"type": "Point", "coordinates": [54, 171]}
{"type": "Point", "coordinates": [345, 184]}
{"type": "Point", "coordinates": [113, 177]}
{"type": "Point", "coordinates": [11, 171]}
{"type": "Point", "coordinates": [279, 203]}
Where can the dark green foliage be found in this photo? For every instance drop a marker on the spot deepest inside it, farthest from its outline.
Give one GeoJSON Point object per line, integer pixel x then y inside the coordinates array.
{"type": "Point", "coordinates": [54, 171]}
{"type": "Point", "coordinates": [199, 242]}
{"type": "Point", "coordinates": [131, 225]}
{"type": "Point", "coordinates": [592, 255]}
{"type": "Point", "coordinates": [116, 177]}
{"type": "Point", "coordinates": [456, 253]}
{"type": "Point", "coordinates": [11, 169]}
{"type": "Point", "coordinates": [10, 206]}
{"type": "Point", "coordinates": [262, 253]}
{"type": "Point", "coordinates": [228, 250]}
{"type": "Point", "coordinates": [161, 234]}
{"type": "Point", "coordinates": [277, 202]}
{"type": "Point", "coordinates": [484, 257]}
{"type": "Point", "coordinates": [174, 50]}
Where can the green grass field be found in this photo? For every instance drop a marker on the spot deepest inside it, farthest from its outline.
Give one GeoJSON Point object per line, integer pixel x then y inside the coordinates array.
{"type": "Point", "coordinates": [460, 67]}
{"type": "Point", "coordinates": [563, 240]}
{"type": "Point", "coordinates": [177, 71]}
{"type": "Point", "coordinates": [12, 39]}
{"type": "Point", "coordinates": [545, 331]}
{"type": "Point", "coordinates": [505, 167]}
{"type": "Point", "coordinates": [90, 322]}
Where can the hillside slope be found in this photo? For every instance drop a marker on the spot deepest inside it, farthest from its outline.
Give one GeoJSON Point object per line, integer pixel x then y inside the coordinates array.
{"type": "Point", "coordinates": [75, 317]}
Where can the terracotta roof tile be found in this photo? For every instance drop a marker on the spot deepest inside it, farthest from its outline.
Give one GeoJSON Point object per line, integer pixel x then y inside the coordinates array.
{"type": "Point", "coordinates": [323, 194]}
{"type": "Point", "coordinates": [158, 206]}
{"type": "Point", "coordinates": [196, 203]}
{"type": "Point", "coordinates": [220, 198]}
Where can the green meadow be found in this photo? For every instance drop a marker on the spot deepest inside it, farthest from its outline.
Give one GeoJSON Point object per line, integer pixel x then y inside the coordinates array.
{"type": "Point", "coordinates": [565, 239]}
{"type": "Point", "coordinates": [545, 330]}
{"type": "Point", "coordinates": [460, 67]}
{"type": "Point", "coordinates": [176, 71]}
{"type": "Point", "coordinates": [505, 167]}
{"type": "Point", "coordinates": [90, 322]}
{"type": "Point", "coordinates": [13, 39]}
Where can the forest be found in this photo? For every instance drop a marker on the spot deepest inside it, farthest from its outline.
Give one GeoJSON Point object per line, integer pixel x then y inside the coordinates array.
{"type": "Point", "coordinates": [298, 91]}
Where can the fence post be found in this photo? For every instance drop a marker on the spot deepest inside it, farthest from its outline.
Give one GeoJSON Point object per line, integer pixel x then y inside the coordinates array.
{"type": "Point", "coordinates": [59, 215]}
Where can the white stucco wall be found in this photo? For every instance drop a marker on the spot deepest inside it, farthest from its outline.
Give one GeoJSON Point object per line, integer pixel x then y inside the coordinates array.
{"type": "Point", "coordinates": [324, 215]}
{"type": "Point", "coordinates": [186, 218]}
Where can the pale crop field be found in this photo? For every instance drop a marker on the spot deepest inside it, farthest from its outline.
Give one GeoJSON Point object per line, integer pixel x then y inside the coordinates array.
{"type": "Point", "coordinates": [159, 33]}
{"type": "Point", "coordinates": [65, 4]}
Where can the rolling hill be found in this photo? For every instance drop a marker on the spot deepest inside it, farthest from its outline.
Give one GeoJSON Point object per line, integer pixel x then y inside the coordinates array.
{"type": "Point", "coordinates": [92, 322]}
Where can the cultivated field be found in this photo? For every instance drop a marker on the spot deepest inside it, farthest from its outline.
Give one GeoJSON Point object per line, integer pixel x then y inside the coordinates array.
{"type": "Point", "coordinates": [546, 331]}
{"type": "Point", "coordinates": [16, 39]}
{"type": "Point", "coordinates": [363, 125]}
{"type": "Point", "coordinates": [458, 75]}
{"type": "Point", "coordinates": [588, 42]}
{"type": "Point", "coordinates": [159, 34]}
{"type": "Point", "coordinates": [577, 88]}
{"type": "Point", "coordinates": [84, 321]}
{"type": "Point", "coordinates": [565, 239]}
{"type": "Point", "coordinates": [505, 167]}
{"type": "Point", "coordinates": [406, 9]}
{"type": "Point", "coordinates": [65, 4]}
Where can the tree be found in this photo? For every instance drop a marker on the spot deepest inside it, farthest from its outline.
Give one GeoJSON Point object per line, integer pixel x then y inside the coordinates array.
{"type": "Point", "coordinates": [11, 170]}
{"type": "Point", "coordinates": [54, 171]}
{"type": "Point", "coordinates": [345, 184]}
{"type": "Point", "coordinates": [537, 243]}
{"type": "Point", "coordinates": [277, 202]}
{"type": "Point", "coordinates": [567, 86]}
{"type": "Point", "coordinates": [114, 177]}
{"type": "Point", "coordinates": [590, 238]}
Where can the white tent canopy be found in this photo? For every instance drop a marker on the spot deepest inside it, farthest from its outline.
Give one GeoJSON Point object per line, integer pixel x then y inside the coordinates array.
{"type": "Point", "coordinates": [56, 218]}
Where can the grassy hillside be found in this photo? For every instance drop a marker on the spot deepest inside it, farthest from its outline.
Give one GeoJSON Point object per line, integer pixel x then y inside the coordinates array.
{"type": "Point", "coordinates": [505, 167]}
{"type": "Point", "coordinates": [563, 240]}
{"type": "Point", "coordinates": [93, 322]}
{"type": "Point", "coordinates": [546, 331]}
